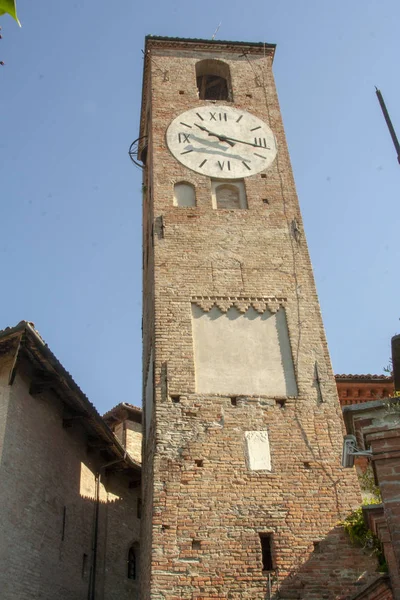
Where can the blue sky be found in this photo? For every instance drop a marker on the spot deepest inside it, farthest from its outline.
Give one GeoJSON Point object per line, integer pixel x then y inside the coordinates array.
{"type": "Point", "coordinates": [70, 244]}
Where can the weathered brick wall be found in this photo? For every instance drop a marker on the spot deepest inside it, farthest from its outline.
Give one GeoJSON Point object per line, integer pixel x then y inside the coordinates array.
{"type": "Point", "coordinates": [133, 435]}
{"type": "Point", "coordinates": [385, 445]}
{"type": "Point", "coordinates": [222, 507]}
{"type": "Point", "coordinates": [45, 468]}
{"type": "Point", "coordinates": [378, 590]}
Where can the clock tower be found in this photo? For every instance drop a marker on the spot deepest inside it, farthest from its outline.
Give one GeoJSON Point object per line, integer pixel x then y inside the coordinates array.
{"type": "Point", "coordinates": [242, 426]}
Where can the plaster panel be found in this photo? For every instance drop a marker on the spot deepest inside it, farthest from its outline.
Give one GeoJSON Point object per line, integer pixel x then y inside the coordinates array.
{"type": "Point", "coordinates": [242, 353]}
{"type": "Point", "coordinates": [258, 453]}
{"type": "Point", "coordinates": [184, 194]}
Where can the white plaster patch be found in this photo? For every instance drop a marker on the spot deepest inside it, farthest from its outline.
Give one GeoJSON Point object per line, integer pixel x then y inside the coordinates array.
{"type": "Point", "coordinates": [242, 354]}
{"type": "Point", "coordinates": [184, 194]}
{"type": "Point", "coordinates": [258, 455]}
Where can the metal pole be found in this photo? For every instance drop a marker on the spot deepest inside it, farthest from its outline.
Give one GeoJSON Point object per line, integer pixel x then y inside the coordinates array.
{"type": "Point", "coordinates": [388, 123]}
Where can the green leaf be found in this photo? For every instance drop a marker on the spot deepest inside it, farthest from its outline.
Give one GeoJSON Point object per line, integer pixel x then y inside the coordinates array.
{"type": "Point", "coordinates": [9, 6]}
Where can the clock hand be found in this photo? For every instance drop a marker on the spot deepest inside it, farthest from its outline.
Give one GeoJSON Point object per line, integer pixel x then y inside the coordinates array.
{"type": "Point", "coordinates": [229, 140]}
{"type": "Point", "coordinates": [222, 138]}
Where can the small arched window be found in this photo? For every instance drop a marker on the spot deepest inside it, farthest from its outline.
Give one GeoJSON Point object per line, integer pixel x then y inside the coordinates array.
{"type": "Point", "coordinates": [184, 194]}
{"type": "Point", "coordinates": [213, 80]}
{"type": "Point", "coordinates": [133, 562]}
{"type": "Point", "coordinates": [229, 195]}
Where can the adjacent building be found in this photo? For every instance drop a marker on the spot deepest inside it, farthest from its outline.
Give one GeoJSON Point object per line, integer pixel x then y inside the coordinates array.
{"type": "Point", "coordinates": [69, 491]}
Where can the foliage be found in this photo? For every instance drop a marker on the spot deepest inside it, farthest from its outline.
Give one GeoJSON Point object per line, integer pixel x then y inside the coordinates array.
{"type": "Point", "coordinates": [9, 7]}
{"type": "Point", "coordinates": [368, 485]}
{"type": "Point", "coordinates": [360, 535]}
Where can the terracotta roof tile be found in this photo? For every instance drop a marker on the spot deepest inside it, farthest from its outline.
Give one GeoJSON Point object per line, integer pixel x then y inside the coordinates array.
{"type": "Point", "coordinates": [367, 377]}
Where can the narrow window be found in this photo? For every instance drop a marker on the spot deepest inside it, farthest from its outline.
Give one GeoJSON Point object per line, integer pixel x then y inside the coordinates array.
{"type": "Point", "coordinates": [133, 562]}
{"type": "Point", "coordinates": [213, 80]}
{"type": "Point", "coordinates": [63, 523]}
{"type": "Point", "coordinates": [139, 508]}
{"type": "Point", "coordinates": [184, 194]}
{"type": "Point", "coordinates": [84, 565]}
{"type": "Point", "coordinates": [266, 549]}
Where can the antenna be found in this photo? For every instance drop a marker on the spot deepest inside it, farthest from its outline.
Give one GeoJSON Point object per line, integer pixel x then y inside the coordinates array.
{"type": "Point", "coordinates": [388, 123]}
{"type": "Point", "coordinates": [216, 31]}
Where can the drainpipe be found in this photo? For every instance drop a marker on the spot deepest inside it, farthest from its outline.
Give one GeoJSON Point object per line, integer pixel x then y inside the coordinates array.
{"type": "Point", "coordinates": [92, 577]}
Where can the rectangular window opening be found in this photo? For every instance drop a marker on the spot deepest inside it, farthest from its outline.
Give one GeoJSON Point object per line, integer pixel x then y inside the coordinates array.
{"type": "Point", "coordinates": [196, 544]}
{"type": "Point", "coordinates": [234, 401]}
{"type": "Point", "coordinates": [280, 402]}
{"type": "Point", "coordinates": [84, 565]}
{"type": "Point", "coordinates": [198, 463]}
{"type": "Point", "coordinates": [139, 508]}
{"type": "Point", "coordinates": [175, 398]}
{"type": "Point", "coordinates": [266, 549]}
{"type": "Point", "coordinates": [63, 523]}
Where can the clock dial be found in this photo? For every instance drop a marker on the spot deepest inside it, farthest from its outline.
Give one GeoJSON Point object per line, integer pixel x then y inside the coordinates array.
{"type": "Point", "coordinates": [222, 142]}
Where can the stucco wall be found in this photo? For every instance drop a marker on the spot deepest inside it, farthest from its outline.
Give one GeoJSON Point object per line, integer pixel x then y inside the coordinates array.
{"type": "Point", "coordinates": [133, 435]}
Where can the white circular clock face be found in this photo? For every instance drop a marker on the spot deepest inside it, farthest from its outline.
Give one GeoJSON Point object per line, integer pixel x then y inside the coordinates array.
{"type": "Point", "coordinates": [221, 141]}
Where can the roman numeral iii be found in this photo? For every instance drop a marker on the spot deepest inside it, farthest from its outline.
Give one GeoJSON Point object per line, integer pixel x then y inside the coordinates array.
{"type": "Point", "coordinates": [261, 142]}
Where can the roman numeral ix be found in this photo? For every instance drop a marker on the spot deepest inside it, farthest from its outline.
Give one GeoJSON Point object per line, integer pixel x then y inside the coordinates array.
{"type": "Point", "coordinates": [183, 138]}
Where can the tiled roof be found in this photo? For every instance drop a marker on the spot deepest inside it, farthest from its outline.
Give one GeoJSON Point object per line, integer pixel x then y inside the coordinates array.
{"type": "Point", "coordinates": [137, 412]}
{"type": "Point", "coordinates": [26, 342]}
{"type": "Point", "coordinates": [367, 377]}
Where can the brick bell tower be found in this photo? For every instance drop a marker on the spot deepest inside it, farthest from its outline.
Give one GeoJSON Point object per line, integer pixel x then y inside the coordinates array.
{"type": "Point", "coordinates": [242, 426]}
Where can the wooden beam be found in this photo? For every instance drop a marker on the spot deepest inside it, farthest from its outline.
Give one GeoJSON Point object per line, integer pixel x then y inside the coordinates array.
{"type": "Point", "coordinates": [40, 382]}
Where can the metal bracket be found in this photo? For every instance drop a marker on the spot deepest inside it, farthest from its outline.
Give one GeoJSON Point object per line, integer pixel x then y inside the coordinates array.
{"type": "Point", "coordinates": [350, 450]}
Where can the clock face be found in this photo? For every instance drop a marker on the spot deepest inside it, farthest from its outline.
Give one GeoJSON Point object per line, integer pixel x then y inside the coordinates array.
{"type": "Point", "coordinates": [222, 142]}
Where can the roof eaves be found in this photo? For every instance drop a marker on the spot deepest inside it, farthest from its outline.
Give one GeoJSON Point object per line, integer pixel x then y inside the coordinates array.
{"type": "Point", "coordinates": [54, 366]}
{"type": "Point", "coordinates": [214, 42]}
{"type": "Point", "coordinates": [364, 377]}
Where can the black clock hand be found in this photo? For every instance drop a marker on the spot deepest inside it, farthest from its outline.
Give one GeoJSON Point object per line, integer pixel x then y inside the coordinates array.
{"type": "Point", "coordinates": [229, 140]}
{"type": "Point", "coordinates": [222, 138]}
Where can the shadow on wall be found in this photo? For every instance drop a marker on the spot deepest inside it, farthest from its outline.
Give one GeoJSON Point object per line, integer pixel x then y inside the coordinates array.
{"type": "Point", "coordinates": [49, 508]}
{"type": "Point", "coordinates": [336, 570]}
